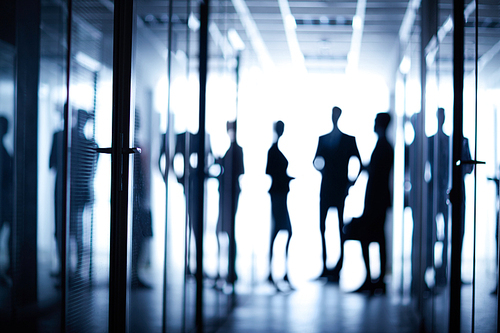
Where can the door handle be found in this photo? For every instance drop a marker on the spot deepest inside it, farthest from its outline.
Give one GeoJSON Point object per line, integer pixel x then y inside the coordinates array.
{"type": "Point", "coordinates": [474, 162]}
{"type": "Point", "coordinates": [134, 150]}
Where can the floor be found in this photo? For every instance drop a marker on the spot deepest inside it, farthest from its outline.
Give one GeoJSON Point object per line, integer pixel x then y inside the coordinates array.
{"type": "Point", "coordinates": [314, 307]}
{"type": "Point", "coordinates": [320, 307]}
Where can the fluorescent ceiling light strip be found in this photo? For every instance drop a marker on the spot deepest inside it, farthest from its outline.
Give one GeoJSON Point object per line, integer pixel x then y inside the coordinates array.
{"type": "Point", "coordinates": [445, 28]}
{"type": "Point", "coordinates": [253, 33]}
{"type": "Point", "coordinates": [220, 40]}
{"type": "Point", "coordinates": [88, 62]}
{"type": "Point", "coordinates": [408, 21]}
{"type": "Point", "coordinates": [235, 40]}
{"type": "Point", "coordinates": [471, 7]}
{"type": "Point", "coordinates": [485, 59]}
{"type": "Point", "coordinates": [291, 34]}
{"type": "Point", "coordinates": [358, 23]}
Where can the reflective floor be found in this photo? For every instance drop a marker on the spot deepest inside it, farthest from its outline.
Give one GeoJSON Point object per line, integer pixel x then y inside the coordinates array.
{"type": "Point", "coordinates": [315, 307]}
{"type": "Point", "coordinates": [320, 307]}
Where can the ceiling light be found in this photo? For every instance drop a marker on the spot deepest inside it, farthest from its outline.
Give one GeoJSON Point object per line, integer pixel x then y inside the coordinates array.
{"type": "Point", "coordinates": [193, 22]}
{"type": "Point", "coordinates": [324, 20]}
{"type": "Point", "coordinates": [290, 22]}
{"type": "Point", "coordinates": [356, 23]}
{"type": "Point", "coordinates": [235, 40]}
{"type": "Point", "coordinates": [88, 62]}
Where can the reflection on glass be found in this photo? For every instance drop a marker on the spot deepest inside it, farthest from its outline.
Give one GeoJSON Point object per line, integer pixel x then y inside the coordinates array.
{"type": "Point", "coordinates": [6, 176]}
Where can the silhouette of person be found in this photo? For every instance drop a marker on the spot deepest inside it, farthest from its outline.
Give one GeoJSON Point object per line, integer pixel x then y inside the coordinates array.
{"type": "Point", "coordinates": [412, 197]}
{"type": "Point", "coordinates": [276, 168]}
{"type": "Point", "coordinates": [186, 146]}
{"type": "Point", "coordinates": [370, 226]}
{"type": "Point", "coordinates": [83, 161]}
{"type": "Point", "coordinates": [229, 192]}
{"type": "Point", "coordinates": [142, 228]}
{"type": "Point", "coordinates": [437, 199]}
{"type": "Point", "coordinates": [6, 199]}
{"type": "Point", "coordinates": [56, 163]}
{"type": "Point", "coordinates": [333, 155]}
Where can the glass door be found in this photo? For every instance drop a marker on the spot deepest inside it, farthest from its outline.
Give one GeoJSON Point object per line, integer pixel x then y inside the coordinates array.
{"type": "Point", "coordinates": [480, 128]}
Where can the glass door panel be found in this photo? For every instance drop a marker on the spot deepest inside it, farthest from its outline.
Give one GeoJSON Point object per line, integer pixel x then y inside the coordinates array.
{"type": "Point", "coordinates": [149, 195]}
{"type": "Point", "coordinates": [89, 177]}
{"type": "Point", "coordinates": [480, 247]}
{"type": "Point", "coordinates": [52, 204]}
{"type": "Point", "coordinates": [7, 79]}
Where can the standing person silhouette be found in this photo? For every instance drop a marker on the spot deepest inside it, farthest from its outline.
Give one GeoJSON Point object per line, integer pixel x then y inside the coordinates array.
{"type": "Point", "coordinates": [333, 155]}
{"type": "Point", "coordinates": [370, 226]}
{"type": "Point", "coordinates": [229, 192]}
{"type": "Point", "coordinates": [277, 165]}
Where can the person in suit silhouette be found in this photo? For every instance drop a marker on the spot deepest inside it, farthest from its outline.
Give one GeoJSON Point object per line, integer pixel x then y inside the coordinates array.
{"type": "Point", "coordinates": [276, 168]}
{"type": "Point", "coordinates": [333, 155]}
{"type": "Point", "coordinates": [6, 199]}
{"type": "Point", "coordinates": [370, 226]}
{"type": "Point", "coordinates": [229, 192]}
{"type": "Point", "coordinates": [437, 199]}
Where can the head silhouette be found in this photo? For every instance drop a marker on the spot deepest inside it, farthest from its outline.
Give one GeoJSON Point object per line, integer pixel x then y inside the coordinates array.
{"type": "Point", "coordinates": [382, 122]}
{"type": "Point", "coordinates": [4, 126]}
{"type": "Point", "coordinates": [440, 116]}
{"type": "Point", "coordinates": [279, 128]}
{"type": "Point", "coordinates": [336, 112]}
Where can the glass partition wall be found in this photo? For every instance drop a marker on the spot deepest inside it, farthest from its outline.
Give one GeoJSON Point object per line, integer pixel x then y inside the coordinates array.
{"type": "Point", "coordinates": [430, 160]}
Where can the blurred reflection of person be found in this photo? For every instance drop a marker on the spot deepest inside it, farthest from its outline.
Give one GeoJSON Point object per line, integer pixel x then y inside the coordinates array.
{"type": "Point", "coordinates": [56, 163]}
{"type": "Point", "coordinates": [186, 149]}
{"type": "Point", "coordinates": [412, 160]}
{"type": "Point", "coordinates": [229, 192]}
{"type": "Point", "coordinates": [83, 162]}
{"type": "Point", "coordinates": [6, 199]}
{"type": "Point", "coordinates": [370, 226]}
{"type": "Point", "coordinates": [437, 199]}
{"type": "Point", "coordinates": [333, 155]}
{"type": "Point", "coordinates": [142, 225]}
{"type": "Point", "coordinates": [276, 168]}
